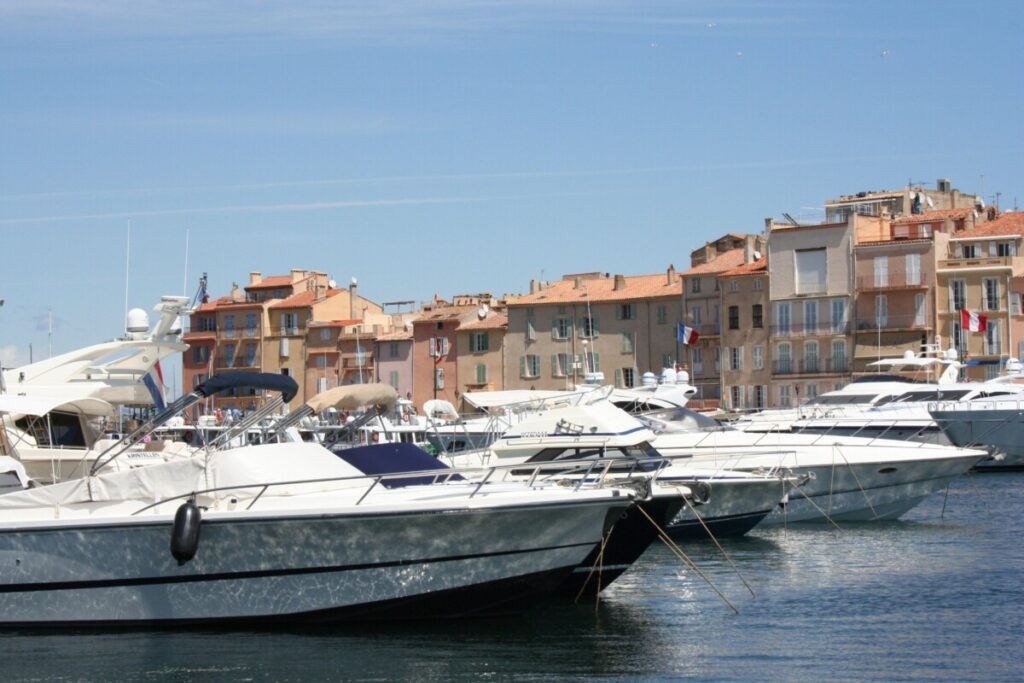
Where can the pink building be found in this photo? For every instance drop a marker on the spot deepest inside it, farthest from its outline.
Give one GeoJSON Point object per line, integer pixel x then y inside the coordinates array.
{"type": "Point", "coordinates": [394, 361]}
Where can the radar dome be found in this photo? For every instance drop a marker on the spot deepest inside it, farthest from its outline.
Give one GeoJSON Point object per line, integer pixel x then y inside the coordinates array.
{"type": "Point", "coordinates": [682, 377]}
{"type": "Point", "coordinates": [908, 355]}
{"type": "Point", "coordinates": [649, 379]}
{"type": "Point", "coordinates": [138, 322]}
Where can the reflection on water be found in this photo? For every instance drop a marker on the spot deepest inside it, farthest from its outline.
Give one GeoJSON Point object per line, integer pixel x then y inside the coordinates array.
{"type": "Point", "coordinates": [925, 598]}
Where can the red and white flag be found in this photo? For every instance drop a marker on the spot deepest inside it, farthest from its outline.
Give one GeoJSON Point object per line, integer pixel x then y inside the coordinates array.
{"type": "Point", "coordinates": [972, 322]}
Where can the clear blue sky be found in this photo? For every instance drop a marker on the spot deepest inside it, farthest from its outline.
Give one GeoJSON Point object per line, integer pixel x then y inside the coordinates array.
{"type": "Point", "coordinates": [461, 145]}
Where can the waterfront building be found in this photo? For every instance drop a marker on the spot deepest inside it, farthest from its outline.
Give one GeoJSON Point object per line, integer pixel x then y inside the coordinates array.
{"type": "Point", "coordinates": [746, 312]}
{"type": "Point", "coordinates": [702, 307]}
{"type": "Point", "coordinates": [481, 352]}
{"type": "Point", "coordinates": [811, 291]}
{"type": "Point", "coordinates": [913, 199]}
{"type": "Point", "coordinates": [435, 353]}
{"type": "Point", "coordinates": [266, 328]}
{"type": "Point", "coordinates": [978, 274]}
{"type": "Point", "coordinates": [394, 352]}
{"type": "Point", "coordinates": [619, 326]}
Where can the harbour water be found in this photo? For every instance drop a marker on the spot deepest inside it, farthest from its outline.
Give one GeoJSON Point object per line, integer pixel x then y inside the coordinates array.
{"type": "Point", "coordinates": [938, 595]}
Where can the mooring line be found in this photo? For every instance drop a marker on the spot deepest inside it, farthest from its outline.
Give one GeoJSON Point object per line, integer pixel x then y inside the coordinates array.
{"type": "Point", "coordinates": [719, 545]}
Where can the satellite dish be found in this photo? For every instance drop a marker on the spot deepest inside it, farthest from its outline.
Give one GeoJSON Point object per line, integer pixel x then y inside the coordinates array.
{"type": "Point", "coordinates": [482, 311]}
{"type": "Point", "coordinates": [929, 202]}
{"type": "Point", "coordinates": [333, 284]}
{"type": "Point", "coordinates": [354, 281]}
{"type": "Point", "coordinates": [981, 202]}
{"type": "Point", "coordinates": [757, 255]}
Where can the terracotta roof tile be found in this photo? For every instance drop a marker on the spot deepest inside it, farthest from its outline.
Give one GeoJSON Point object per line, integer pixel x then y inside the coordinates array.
{"type": "Point", "coordinates": [934, 216]}
{"type": "Point", "coordinates": [446, 313]}
{"type": "Point", "coordinates": [397, 335]}
{"type": "Point", "coordinates": [271, 281]}
{"type": "Point", "coordinates": [333, 323]}
{"type": "Point", "coordinates": [491, 322]}
{"type": "Point", "coordinates": [756, 268]}
{"type": "Point", "coordinates": [306, 298]}
{"type": "Point", "coordinates": [1007, 224]}
{"type": "Point", "coordinates": [727, 261]}
{"type": "Point", "coordinates": [602, 289]}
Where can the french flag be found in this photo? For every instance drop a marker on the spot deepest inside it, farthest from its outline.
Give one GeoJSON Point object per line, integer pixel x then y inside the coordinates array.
{"type": "Point", "coordinates": [154, 381]}
{"type": "Point", "coordinates": [972, 322]}
{"type": "Point", "coordinates": [686, 335]}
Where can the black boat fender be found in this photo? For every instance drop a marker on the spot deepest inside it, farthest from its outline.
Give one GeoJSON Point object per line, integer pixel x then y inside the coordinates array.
{"type": "Point", "coordinates": [185, 532]}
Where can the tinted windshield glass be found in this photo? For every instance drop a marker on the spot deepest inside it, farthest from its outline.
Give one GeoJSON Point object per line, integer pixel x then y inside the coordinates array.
{"type": "Point", "coordinates": [943, 395]}
{"type": "Point", "coordinates": [841, 399]}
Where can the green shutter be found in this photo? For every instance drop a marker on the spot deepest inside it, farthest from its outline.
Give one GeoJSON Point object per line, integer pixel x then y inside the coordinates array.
{"type": "Point", "coordinates": [522, 366]}
{"type": "Point", "coordinates": [618, 377]}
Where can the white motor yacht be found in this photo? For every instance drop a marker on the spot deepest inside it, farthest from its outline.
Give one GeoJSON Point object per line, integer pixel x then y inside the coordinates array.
{"type": "Point", "coordinates": [846, 478]}
{"type": "Point", "coordinates": [52, 411]}
{"type": "Point", "coordinates": [595, 428]}
{"type": "Point", "coordinates": [286, 532]}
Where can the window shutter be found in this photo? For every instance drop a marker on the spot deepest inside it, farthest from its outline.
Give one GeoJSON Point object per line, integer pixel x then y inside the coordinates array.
{"type": "Point", "coordinates": [618, 377]}
{"type": "Point", "coordinates": [522, 366]}
{"type": "Point", "coordinates": [597, 361]}
{"type": "Point", "coordinates": [618, 312]}
{"type": "Point", "coordinates": [554, 365]}
{"type": "Point", "coordinates": [596, 326]}
{"type": "Point", "coordinates": [554, 328]}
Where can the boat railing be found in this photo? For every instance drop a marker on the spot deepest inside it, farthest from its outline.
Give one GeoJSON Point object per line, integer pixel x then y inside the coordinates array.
{"type": "Point", "coordinates": [584, 472]}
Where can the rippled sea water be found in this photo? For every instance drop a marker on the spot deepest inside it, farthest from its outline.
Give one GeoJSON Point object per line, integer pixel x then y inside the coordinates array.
{"type": "Point", "coordinates": [925, 598]}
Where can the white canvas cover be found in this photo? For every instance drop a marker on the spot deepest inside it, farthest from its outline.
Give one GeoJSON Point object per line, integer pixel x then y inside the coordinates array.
{"type": "Point", "coordinates": [281, 462]}
{"type": "Point", "coordinates": [142, 484]}
{"type": "Point", "coordinates": [355, 396]}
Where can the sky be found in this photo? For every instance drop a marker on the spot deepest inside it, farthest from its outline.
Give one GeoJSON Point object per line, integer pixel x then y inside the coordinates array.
{"type": "Point", "coordinates": [460, 146]}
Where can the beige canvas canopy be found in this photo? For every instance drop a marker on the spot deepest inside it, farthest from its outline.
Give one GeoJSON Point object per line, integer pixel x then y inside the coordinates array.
{"type": "Point", "coordinates": [383, 396]}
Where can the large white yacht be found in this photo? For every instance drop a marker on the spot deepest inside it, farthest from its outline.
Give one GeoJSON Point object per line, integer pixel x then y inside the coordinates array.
{"type": "Point", "coordinates": [53, 411]}
{"type": "Point", "coordinates": [845, 478]}
{"type": "Point", "coordinates": [596, 428]}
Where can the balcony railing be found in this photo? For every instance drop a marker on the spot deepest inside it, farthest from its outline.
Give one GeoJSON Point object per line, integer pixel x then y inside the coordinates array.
{"type": "Point", "coordinates": [353, 362]}
{"type": "Point", "coordinates": [709, 329]}
{"type": "Point", "coordinates": [977, 262]}
{"type": "Point", "coordinates": [810, 366]}
{"type": "Point", "coordinates": [892, 322]}
{"type": "Point", "coordinates": [891, 280]}
{"type": "Point", "coordinates": [803, 330]}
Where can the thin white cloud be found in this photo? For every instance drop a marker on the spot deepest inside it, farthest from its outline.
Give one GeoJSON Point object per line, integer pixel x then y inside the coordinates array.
{"type": "Point", "coordinates": [464, 177]}
{"type": "Point", "coordinates": [367, 18]}
{"type": "Point", "coordinates": [242, 208]}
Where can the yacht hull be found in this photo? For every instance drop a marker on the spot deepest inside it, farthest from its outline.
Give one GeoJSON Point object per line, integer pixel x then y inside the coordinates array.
{"type": "Point", "coordinates": [302, 568]}
{"type": "Point", "coordinates": [1000, 432]}
{"type": "Point", "coordinates": [734, 508]}
{"type": "Point", "coordinates": [632, 534]}
{"type": "Point", "coordinates": [864, 492]}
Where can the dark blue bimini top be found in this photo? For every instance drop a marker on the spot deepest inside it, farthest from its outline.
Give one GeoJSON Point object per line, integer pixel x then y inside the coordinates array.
{"type": "Point", "coordinates": [268, 381]}
{"type": "Point", "coordinates": [394, 458]}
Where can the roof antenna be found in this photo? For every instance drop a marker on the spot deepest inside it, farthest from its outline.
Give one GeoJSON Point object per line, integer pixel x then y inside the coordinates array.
{"type": "Point", "coordinates": [127, 266]}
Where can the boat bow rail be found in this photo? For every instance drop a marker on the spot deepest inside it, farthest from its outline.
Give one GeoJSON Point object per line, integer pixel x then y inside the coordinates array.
{"type": "Point", "coordinates": [590, 474]}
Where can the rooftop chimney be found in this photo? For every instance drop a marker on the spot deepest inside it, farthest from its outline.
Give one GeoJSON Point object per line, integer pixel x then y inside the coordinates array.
{"type": "Point", "coordinates": [297, 275]}
{"type": "Point", "coordinates": [671, 275]}
{"type": "Point", "coordinates": [620, 282]}
{"type": "Point", "coordinates": [577, 282]}
{"type": "Point", "coordinates": [534, 286]}
{"type": "Point", "coordinates": [255, 277]}
{"type": "Point", "coordinates": [236, 293]}
{"type": "Point", "coordinates": [749, 249]}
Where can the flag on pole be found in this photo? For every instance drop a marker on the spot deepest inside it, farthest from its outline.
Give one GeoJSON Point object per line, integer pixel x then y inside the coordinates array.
{"type": "Point", "coordinates": [972, 322]}
{"type": "Point", "coordinates": [686, 335]}
{"type": "Point", "coordinates": [154, 381]}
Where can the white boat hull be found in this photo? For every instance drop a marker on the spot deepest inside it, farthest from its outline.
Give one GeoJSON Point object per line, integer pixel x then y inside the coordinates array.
{"type": "Point", "coordinates": [301, 568]}
{"type": "Point", "coordinates": [867, 491]}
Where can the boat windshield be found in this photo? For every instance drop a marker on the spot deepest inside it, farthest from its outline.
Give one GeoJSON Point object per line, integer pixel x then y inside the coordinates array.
{"type": "Point", "coordinates": [681, 420]}
{"type": "Point", "coordinates": [640, 451]}
{"type": "Point", "coordinates": [841, 399]}
{"type": "Point", "coordinates": [936, 395]}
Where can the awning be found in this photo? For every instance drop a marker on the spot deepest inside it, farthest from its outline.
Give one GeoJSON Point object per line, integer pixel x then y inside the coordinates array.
{"type": "Point", "coordinates": [41, 405]}
{"type": "Point", "coordinates": [887, 345]}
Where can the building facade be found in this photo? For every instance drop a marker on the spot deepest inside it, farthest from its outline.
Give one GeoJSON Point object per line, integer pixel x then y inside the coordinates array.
{"type": "Point", "coordinates": [481, 352]}
{"type": "Point", "coordinates": [746, 373]}
{"type": "Point", "coordinates": [618, 326]}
